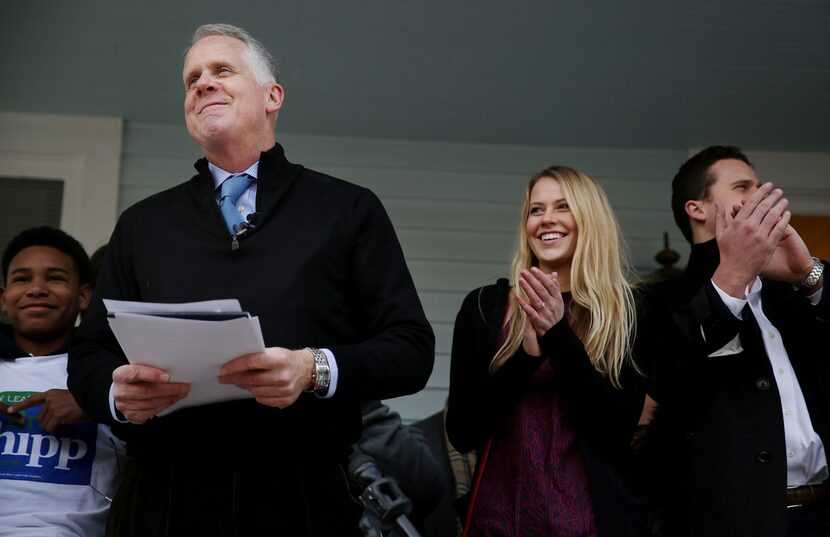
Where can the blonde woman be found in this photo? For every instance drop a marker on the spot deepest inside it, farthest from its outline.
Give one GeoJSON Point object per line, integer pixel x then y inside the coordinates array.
{"type": "Point", "coordinates": [542, 381]}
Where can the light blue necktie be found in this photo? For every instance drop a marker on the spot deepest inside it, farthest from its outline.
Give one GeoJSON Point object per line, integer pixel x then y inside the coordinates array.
{"type": "Point", "coordinates": [229, 192]}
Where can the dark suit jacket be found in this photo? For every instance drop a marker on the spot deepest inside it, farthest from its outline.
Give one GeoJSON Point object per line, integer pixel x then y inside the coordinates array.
{"type": "Point", "coordinates": [719, 433]}
{"type": "Point", "coordinates": [323, 268]}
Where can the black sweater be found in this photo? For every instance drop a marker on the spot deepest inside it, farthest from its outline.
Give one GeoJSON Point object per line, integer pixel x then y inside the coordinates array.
{"type": "Point", "coordinates": [323, 269]}
{"type": "Point", "coordinates": [604, 417]}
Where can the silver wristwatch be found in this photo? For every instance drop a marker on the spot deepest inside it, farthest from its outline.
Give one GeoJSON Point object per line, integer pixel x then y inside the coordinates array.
{"type": "Point", "coordinates": [815, 274]}
{"type": "Point", "coordinates": [321, 374]}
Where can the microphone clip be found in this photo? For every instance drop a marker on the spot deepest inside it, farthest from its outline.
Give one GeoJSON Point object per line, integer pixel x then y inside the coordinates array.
{"type": "Point", "coordinates": [243, 229]}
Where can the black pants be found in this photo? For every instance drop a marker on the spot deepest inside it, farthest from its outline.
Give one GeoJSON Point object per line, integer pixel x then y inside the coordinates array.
{"type": "Point", "coordinates": [298, 498]}
{"type": "Point", "coordinates": [809, 521]}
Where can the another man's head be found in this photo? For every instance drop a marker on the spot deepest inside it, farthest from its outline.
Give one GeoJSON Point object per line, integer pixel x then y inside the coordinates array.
{"type": "Point", "coordinates": [47, 283]}
{"type": "Point", "coordinates": [719, 175]}
{"type": "Point", "coordinates": [231, 92]}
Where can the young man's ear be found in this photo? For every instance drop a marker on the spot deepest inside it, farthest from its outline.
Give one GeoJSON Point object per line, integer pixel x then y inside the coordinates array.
{"type": "Point", "coordinates": [694, 209]}
{"type": "Point", "coordinates": [84, 296]}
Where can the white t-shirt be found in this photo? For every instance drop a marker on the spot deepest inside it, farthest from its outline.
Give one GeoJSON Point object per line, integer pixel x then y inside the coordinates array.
{"type": "Point", "coordinates": [53, 485]}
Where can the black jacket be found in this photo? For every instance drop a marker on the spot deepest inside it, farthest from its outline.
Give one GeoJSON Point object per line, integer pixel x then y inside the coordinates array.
{"type": "Point", "coordinates": [9, 349]}
{"type": "Point", "coordinates": [604, 417]}
{"type": "Point", "coordinates": [718, 438]}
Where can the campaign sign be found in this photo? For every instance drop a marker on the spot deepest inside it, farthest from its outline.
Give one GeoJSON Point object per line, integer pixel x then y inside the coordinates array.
{"type": "Point", "coordinates": [28, 452]}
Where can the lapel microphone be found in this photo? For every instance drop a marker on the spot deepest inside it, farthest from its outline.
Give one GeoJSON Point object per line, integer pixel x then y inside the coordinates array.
{"type": "Point", "coordinates": [243, 230]}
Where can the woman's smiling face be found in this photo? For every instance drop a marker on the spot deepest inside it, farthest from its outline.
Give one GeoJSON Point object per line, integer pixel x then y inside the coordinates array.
{"type": "Point", "coordinates": [551, 227]}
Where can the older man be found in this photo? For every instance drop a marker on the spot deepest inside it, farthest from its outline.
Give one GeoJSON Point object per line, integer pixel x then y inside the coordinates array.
{"type": "Point", "coordinates": [315, 258]}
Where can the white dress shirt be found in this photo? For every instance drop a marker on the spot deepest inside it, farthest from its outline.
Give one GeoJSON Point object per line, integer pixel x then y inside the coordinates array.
{"type": "Point", "coordinates": [806, 460]}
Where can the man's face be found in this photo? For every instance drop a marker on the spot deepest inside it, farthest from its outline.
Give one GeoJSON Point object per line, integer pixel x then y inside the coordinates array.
{"type": "Point", "coordinates": [735, 182]}
{"type": "Point", "coordinates": [43, 296]}
{"type": "Point", "coordinates": [223, 100]}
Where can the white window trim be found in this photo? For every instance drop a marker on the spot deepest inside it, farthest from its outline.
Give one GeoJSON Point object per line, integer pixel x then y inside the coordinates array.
{"type": "Point", "coordinates": [83, 152]}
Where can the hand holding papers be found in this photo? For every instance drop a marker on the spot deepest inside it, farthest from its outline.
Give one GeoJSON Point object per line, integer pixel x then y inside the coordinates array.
{"type": "Point", "coordinates": [276, 377]}
{"type": "Point", "coordinates": [190, 341]}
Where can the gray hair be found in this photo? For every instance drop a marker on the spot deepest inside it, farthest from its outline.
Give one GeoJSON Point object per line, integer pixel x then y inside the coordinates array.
{"type": "Point", "coordinates": [260, 61]}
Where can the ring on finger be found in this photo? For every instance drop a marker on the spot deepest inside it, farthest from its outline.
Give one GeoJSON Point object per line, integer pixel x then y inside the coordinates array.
{"type": "Point", "coordinates": [540, 306]}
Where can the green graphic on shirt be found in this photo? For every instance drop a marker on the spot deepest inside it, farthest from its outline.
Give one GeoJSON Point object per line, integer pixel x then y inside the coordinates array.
{"type": "Point", "coordinates": [12, 398]}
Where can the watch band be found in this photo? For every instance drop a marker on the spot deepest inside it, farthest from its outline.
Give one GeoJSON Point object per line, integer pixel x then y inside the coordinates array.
{"type": "Point", "coordinates": [321, 373]}
{"type": "Point", "coordinates": [815, 274]}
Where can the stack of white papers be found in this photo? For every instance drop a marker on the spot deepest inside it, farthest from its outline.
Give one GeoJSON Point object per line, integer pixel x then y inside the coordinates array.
{"type": "Point", "coordinates": [191, 341]}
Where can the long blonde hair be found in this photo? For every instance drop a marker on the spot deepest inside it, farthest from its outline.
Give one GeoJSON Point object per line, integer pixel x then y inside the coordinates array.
{"type": "Point", "coordinates": [602, 305]}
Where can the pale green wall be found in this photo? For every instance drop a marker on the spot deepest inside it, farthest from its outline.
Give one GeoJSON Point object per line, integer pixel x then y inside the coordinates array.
{"type": "Point", "coordinates": [454, 206]}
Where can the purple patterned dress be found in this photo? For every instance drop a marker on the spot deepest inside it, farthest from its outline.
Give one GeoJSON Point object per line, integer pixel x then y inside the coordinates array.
{"type": "Point", "coordinates": [534, 481]}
